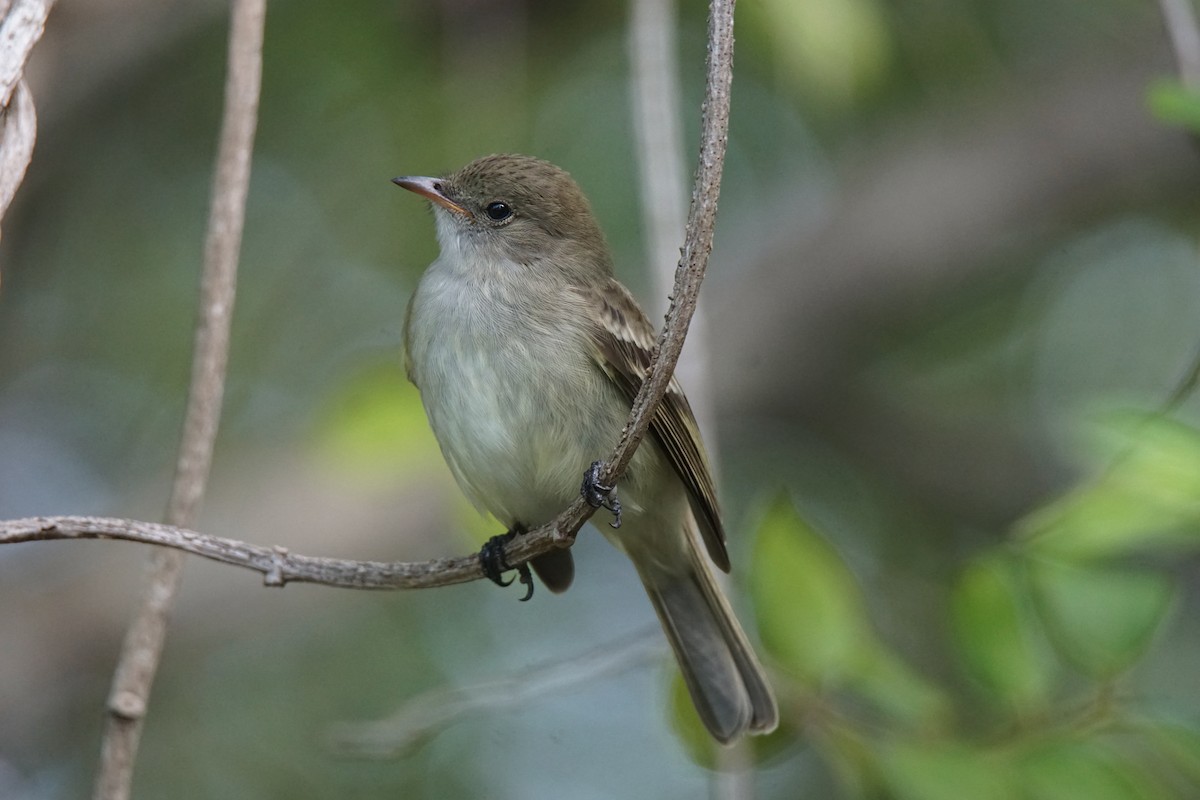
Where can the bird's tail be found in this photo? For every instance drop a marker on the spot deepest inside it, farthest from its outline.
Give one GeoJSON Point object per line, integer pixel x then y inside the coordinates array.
{"type": "Point", "coordinates": [722, 673]}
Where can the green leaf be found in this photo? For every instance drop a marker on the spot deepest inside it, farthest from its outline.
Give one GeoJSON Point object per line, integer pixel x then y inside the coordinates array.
{"type": "Point", "coordinates": [836, 50]}
{"type": "Point", "coordinates": [1100, 618]}
{"type": "Point", "coordinates": [1175, 104]}
{"type": "Point", "coordinates": [813, 620]}
{"type": "Point", "coordinates": [1148, 496]}
{"type": "Point", "coordinates": [946, 771]}
{"type": "Point", "coordinates": [1071, 770]}
{"type": "Point", "coordinates": [811, 614]}
{"type": "Point", "coordinates": [996, 632]}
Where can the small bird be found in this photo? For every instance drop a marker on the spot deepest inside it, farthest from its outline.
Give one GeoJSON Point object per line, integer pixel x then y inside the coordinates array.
{"type": "Point", "coordinates": [528, 353]}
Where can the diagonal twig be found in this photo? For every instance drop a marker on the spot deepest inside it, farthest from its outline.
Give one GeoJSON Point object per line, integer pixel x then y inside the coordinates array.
{"type": "Point", "coordinates": [654, 86]}
{"type": "Point", "coordinates": [1180, 20]}
{"type": "Point", "coordinates": [142, 648]}
{"type": "Point", "coordinates": [714, 131]}
{"type": "Point", "coordinates": [429, 713]}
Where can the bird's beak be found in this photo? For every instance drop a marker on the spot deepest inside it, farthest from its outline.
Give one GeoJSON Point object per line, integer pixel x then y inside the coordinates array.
{"type": "Point", "coordinates": [432, 189]}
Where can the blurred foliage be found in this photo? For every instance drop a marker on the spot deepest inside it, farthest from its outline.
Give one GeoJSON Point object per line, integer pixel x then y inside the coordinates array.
{"type": "Point", "coordinates": [376, 426]}
{"type": "Point", "coordinates": [835, 52]}
{"type": "Point", "coordinates": [1028, 720]}
{"type": "Point", "coordinates": [1176, 104]}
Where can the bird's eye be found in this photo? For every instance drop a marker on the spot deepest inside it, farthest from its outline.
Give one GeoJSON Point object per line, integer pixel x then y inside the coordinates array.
{"type": "Point", "coordinates": [499, 211]}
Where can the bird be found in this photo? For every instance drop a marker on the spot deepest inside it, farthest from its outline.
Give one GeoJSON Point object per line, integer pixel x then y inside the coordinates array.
{"type": "Point", "coordinates": [527, 353]}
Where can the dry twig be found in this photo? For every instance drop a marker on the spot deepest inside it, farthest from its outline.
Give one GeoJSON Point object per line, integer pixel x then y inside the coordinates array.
{"type": "Point", "coordinates": [1180, 20]}
{"type": "Point", "coordinates": [428, 713]}
{"type": "Point", "coordinates": [142, 649]}
{"type": "Point", "coordinates": [21, 25]}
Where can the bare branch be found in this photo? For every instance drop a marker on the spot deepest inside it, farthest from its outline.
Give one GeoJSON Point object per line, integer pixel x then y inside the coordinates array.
{"type": "Point", "coordinates": [1180, 20]}
{"type": "Point", "coordinates": [714, 131]}
{"type": "Point", "coordinates": [428, 713]}
{"type": "Point", "coordinates": [143, 644]}
{"type": "Point", "coordinates": [21, 25]}
{"type": "Point", "coordinates": [18, 131]}
{"type": "Point", "coordinates": [658, 135]}
{"type": "Point", "coordinates": [277, 565]}
{"type": "Point", "coordinates": [654, 87]}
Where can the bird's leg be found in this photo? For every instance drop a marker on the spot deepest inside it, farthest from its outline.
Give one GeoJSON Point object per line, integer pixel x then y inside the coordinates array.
{"type": "Point", "coordinates": [596, 494]}
{"type": "Point", "coordinates": [494, 563]}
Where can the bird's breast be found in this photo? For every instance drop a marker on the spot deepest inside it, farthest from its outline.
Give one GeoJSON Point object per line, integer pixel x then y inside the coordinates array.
{"type": "Point", "coordinates": [512, 393]}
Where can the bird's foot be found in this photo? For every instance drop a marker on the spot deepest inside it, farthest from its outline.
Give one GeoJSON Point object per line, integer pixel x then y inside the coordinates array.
{"type": "Point", "coordinates": [596, 494]}
{"type": "Point", "coordinates": [494, 563]}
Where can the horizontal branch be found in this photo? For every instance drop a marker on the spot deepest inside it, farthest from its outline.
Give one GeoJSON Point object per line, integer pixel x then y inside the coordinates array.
{"type": "Point", "coordinates": [277, 565]}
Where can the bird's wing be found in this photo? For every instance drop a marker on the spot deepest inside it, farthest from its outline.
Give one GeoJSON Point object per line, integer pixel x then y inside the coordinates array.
{"type": "Point", "coordinates": [624, 339]}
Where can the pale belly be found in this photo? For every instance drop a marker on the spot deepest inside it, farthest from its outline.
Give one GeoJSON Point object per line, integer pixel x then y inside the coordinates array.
{"type": "Point", "coordinates": [518, 425]}
{"type": "Point", "coordinates": [519, 446]}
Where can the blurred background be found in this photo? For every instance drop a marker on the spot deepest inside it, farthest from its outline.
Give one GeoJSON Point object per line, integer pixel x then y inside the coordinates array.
{"type": "Point", "coordinates": [955, 278]}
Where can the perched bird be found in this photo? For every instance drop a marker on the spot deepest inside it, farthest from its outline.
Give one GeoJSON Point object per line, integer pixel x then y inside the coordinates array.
{"type": "Point", "coordinates": [527, 353]}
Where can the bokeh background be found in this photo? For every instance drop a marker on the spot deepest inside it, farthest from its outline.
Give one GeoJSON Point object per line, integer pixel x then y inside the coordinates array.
{"type": "Point", "coordinates": [955, 286]}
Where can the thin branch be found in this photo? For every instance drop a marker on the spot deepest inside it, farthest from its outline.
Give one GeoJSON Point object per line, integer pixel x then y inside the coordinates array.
{"type": "Point", "coordinates": [143, 644]}
{"type": "Point", "coordinates": [662, 181]}
{"type": "Point", "coordinates": [654, 85]}
{"type": "Point", "coordinates": [714, 131]}
{"type": "Point", "coordinates": [18, 132]}
{"type": "Point", "coordinates": [1180, 20]}
{"type": "Point", "coordinates": [428, 713]}
{"type": "Point", "coordinates": [21, 25]}
{"type": "Point", "coordinates": [277, 565]}
{"type": "Point", "coordinates": [654, 89]}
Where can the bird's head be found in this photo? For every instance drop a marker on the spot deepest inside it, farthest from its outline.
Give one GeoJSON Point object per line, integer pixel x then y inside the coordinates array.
{"type": "Point", "coordinates": [518, 209]}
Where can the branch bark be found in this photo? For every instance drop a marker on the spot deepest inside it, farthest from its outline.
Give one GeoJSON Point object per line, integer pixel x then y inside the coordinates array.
{"type": "Point", "coordinates": [277, 565]}
{"type": "Point", "coordinates": [1180, 20]}
{"type": "Point", "coordinates": [654, 86]}
{"type": "Point", "coordinates": [698, 239]}
{"type": "Point", "coordinates": [428, 713]}
{"type": "Point", "coordinates": [662, 181]}
{"type": "Point", "coordinates": [142, 648]}
{"type": "Point", "coordinates": [21, 25]}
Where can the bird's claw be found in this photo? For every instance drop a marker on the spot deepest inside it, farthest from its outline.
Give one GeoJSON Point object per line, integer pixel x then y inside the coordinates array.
{"type": "Point", "coordinates": [597, 495]}
{"type": "Point", "coordinates": [494, 563]}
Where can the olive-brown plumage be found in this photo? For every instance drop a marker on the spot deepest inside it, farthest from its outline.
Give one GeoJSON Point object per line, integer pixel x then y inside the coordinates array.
{"type": "Point", "coordinates": [528, 353]}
